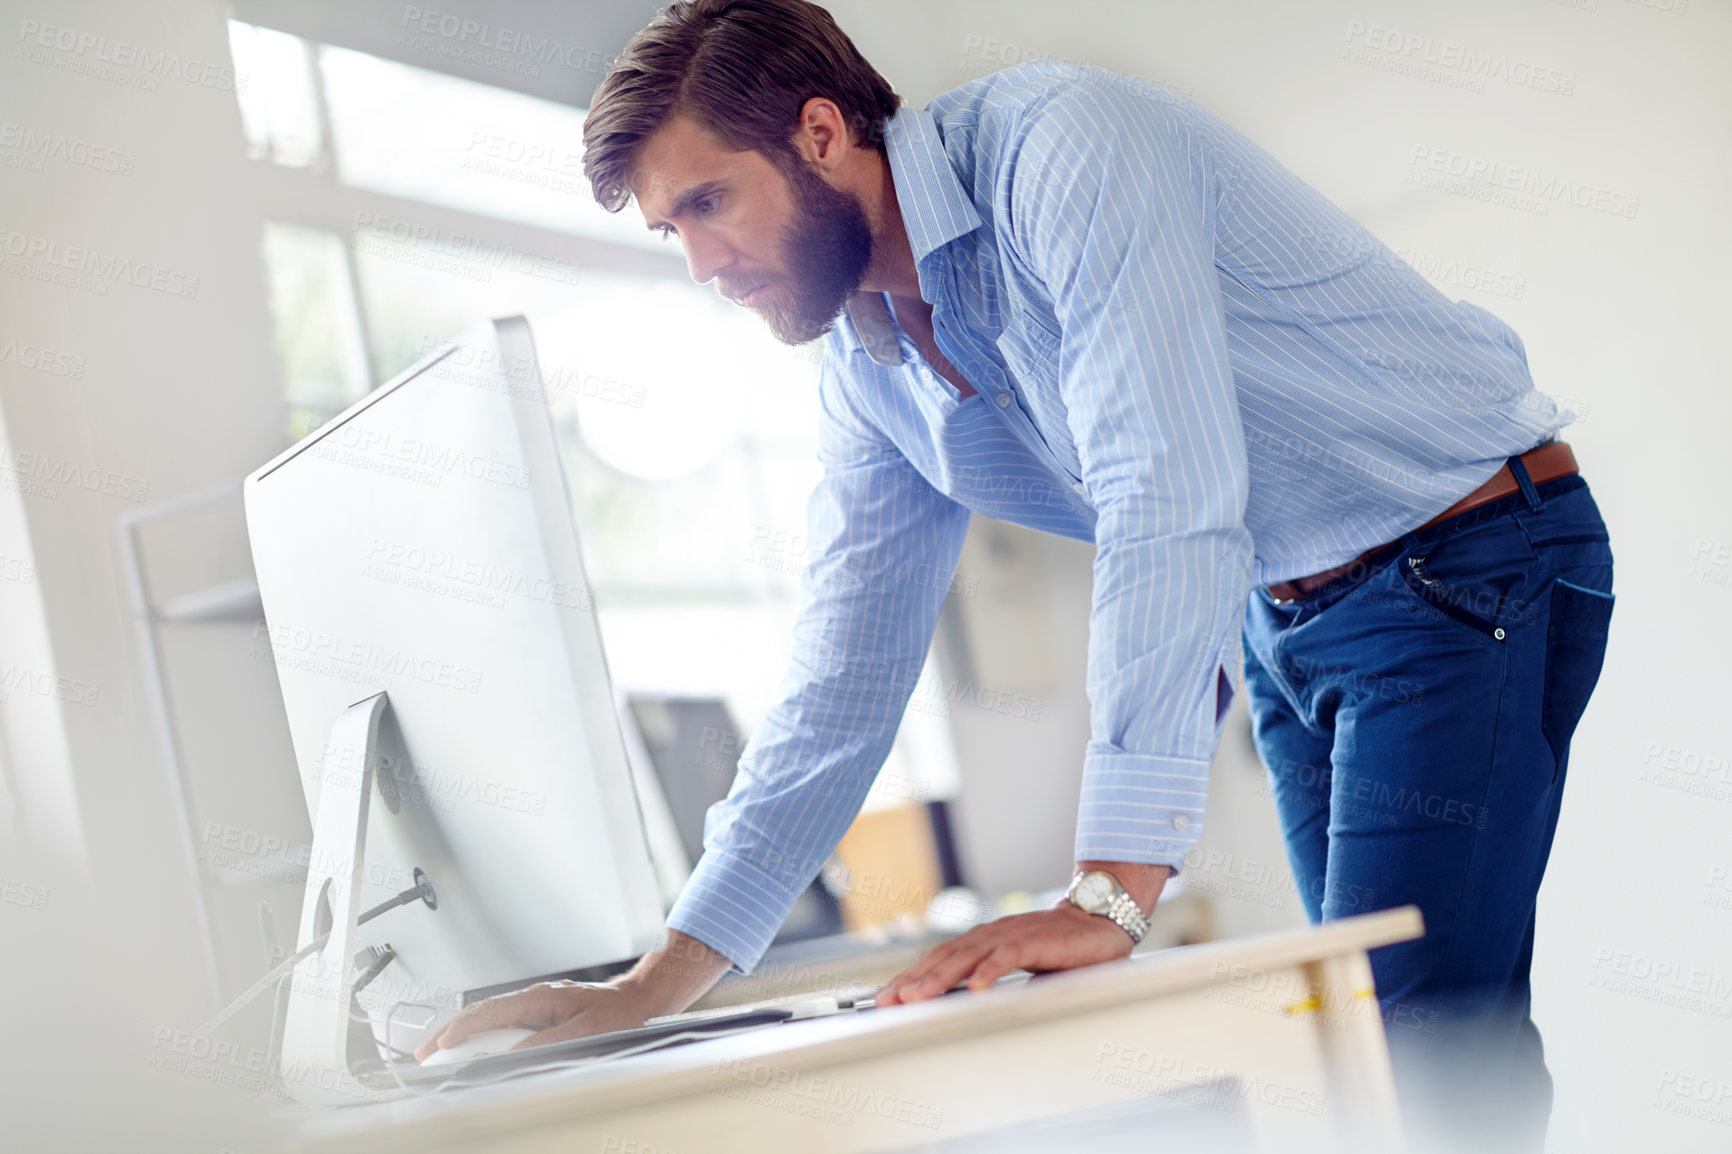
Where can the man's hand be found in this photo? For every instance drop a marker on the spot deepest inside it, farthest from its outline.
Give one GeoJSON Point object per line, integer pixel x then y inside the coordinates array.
{"type": "Point", "coordinates": [557, 1010]}
{"type": "Point", "coordinates": [1061, 938]}
{"type": "Point", "coordinates": [664, 981]}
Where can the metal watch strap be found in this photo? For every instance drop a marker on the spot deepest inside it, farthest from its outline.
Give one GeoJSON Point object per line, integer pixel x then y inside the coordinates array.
{"type": "Point", "coordinates": [1128, 916]}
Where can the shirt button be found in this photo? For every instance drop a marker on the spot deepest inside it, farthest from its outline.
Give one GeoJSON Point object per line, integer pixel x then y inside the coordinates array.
{"type": "Point", "coordinates": [1004, 400]}
{"type": "Point", "coordinates": [1181, 822]}
{"type": "Point", "coordinates": [1081, 488]}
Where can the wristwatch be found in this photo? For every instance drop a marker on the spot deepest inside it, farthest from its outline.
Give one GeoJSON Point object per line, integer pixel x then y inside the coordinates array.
{"type": "Point", "coordinates": [1099, 892]}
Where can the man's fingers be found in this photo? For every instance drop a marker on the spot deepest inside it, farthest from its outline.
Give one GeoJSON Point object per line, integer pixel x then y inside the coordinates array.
{"type": "Point", "coordinates": [894, 989]}
{"type": "Point", "coordinates": [954, 968]}
{"type": "Point", "coordinates": [447, 1035]}
{"type": "Point", "coordinates": [1057, 939]}
{"type": "Point", "coordinates": [993, 967]}
{"type": "Point", "coordinates": [579, 1025]}
{"type": "Point", "coordinates": [503, 1010]}
{"type": "Point", "coordinates": [891, 993]}
{"type": "Point", "coordinates": [940, 969]}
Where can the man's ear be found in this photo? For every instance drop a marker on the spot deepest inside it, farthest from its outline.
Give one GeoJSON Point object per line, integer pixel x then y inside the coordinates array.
{"type": "Point", "coordinates": [821, 137]}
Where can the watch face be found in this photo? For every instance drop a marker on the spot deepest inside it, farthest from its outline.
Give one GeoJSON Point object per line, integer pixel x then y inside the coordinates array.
{"type": "Point", "coordinates": [1094, 891]}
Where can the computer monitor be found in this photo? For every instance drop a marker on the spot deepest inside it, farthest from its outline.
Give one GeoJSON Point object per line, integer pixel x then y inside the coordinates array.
{"type": "Point", "coordinates": [422, 543]}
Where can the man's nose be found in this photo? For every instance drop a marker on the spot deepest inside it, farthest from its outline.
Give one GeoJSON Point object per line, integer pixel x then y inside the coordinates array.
{"type": "Point", "coordinates": [705, 258]}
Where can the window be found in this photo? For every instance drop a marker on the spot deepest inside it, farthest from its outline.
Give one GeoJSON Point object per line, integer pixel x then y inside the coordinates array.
{"type": "Point", "coordinates": [279, 104]}
{"type": "Point", "coordinates": [313, 313]}
{"type": "Point", "coordinates": [413, 205]}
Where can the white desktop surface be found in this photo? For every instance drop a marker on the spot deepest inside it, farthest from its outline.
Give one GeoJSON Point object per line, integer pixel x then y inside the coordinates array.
{"type": "Point", "coordinates": [963, 1064]}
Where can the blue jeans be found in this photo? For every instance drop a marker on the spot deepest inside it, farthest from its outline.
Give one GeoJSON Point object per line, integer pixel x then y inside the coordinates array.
{"type": "Point", "coordinates": [1415, 718]}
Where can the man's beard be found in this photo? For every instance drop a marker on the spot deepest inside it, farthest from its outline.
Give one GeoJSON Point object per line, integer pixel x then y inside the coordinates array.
{"type": "Point", "coordinates": [827, 248]}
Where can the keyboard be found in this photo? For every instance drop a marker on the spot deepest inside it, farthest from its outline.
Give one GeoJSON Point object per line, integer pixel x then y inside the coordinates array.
{"type": "Point", "coordinates": [655, 1034]}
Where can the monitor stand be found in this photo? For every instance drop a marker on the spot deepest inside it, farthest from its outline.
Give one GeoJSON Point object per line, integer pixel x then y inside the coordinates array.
{"type": "Point", "coordinates": [318, 1030]}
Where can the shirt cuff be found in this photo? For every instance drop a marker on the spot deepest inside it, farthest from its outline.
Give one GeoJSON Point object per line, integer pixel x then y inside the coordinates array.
{"type": "Point", "coordinates": [735, 906]}
{"type": "Point", "coordinates": [1140, 808]}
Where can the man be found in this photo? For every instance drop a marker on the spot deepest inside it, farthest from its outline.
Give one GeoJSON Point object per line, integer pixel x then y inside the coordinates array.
{"type": "Point", "coordinates": [1078, 302]}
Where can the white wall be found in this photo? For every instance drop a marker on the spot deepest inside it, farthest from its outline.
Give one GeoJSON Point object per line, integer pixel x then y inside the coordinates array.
{"type": "Point", "coordinates": [1621, 314]}
{"type": "Point", "coordinates": [176, 390]}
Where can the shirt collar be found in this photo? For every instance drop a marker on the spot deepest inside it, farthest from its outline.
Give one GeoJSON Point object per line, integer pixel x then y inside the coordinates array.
{"type": "Point", "coordinates": [935, 208]}
{"type": "Point", "coordinates": [935, 211]}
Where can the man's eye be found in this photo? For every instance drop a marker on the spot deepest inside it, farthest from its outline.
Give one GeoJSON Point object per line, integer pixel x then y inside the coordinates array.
{"type": "Point", "coordinates": [709, 204]}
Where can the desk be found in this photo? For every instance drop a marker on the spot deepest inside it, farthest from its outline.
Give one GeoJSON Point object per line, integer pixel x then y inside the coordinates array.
{"type": "Point", "coordinates": [1279, 1034]}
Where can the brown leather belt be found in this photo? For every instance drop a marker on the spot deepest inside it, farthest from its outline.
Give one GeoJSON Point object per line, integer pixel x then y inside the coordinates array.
{"type": "Point", "coordinates": [1546, 463]}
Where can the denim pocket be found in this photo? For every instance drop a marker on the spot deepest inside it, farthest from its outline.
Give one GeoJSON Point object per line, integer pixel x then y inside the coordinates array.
{"type": "Point", "coordinates": [1445, 599]}
{"type": "Point", "coordinates": [1478, 577]}
{"type": "Point", "coordinates": [1575, 650]}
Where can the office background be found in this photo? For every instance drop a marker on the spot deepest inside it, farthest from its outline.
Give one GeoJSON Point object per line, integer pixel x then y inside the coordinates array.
{"type": "Point", "coordinates": [279, 205]}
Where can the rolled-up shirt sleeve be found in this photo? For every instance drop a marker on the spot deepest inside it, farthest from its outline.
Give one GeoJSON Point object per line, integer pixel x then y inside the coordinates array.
{"type": "Point", "coordinates": [883, 546]}
{"type": "Point", "coordinates": [1112, 216]}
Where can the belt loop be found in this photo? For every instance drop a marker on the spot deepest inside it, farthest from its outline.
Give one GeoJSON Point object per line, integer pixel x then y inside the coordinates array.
{"type": "Point", "coordinates": [1520, 471]}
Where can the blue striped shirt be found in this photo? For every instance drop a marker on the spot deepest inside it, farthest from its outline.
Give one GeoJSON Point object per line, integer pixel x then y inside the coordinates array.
{"type": "Point", "coordinates": [1183, 354]}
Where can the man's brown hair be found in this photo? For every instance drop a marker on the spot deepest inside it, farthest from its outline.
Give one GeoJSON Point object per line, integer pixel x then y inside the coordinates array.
{"type": "Point", "coordinates": [743, 69]}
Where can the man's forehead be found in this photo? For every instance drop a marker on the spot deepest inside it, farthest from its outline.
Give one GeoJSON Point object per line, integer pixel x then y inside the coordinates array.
{"type": "Point", "coordinates": [677, 157]}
